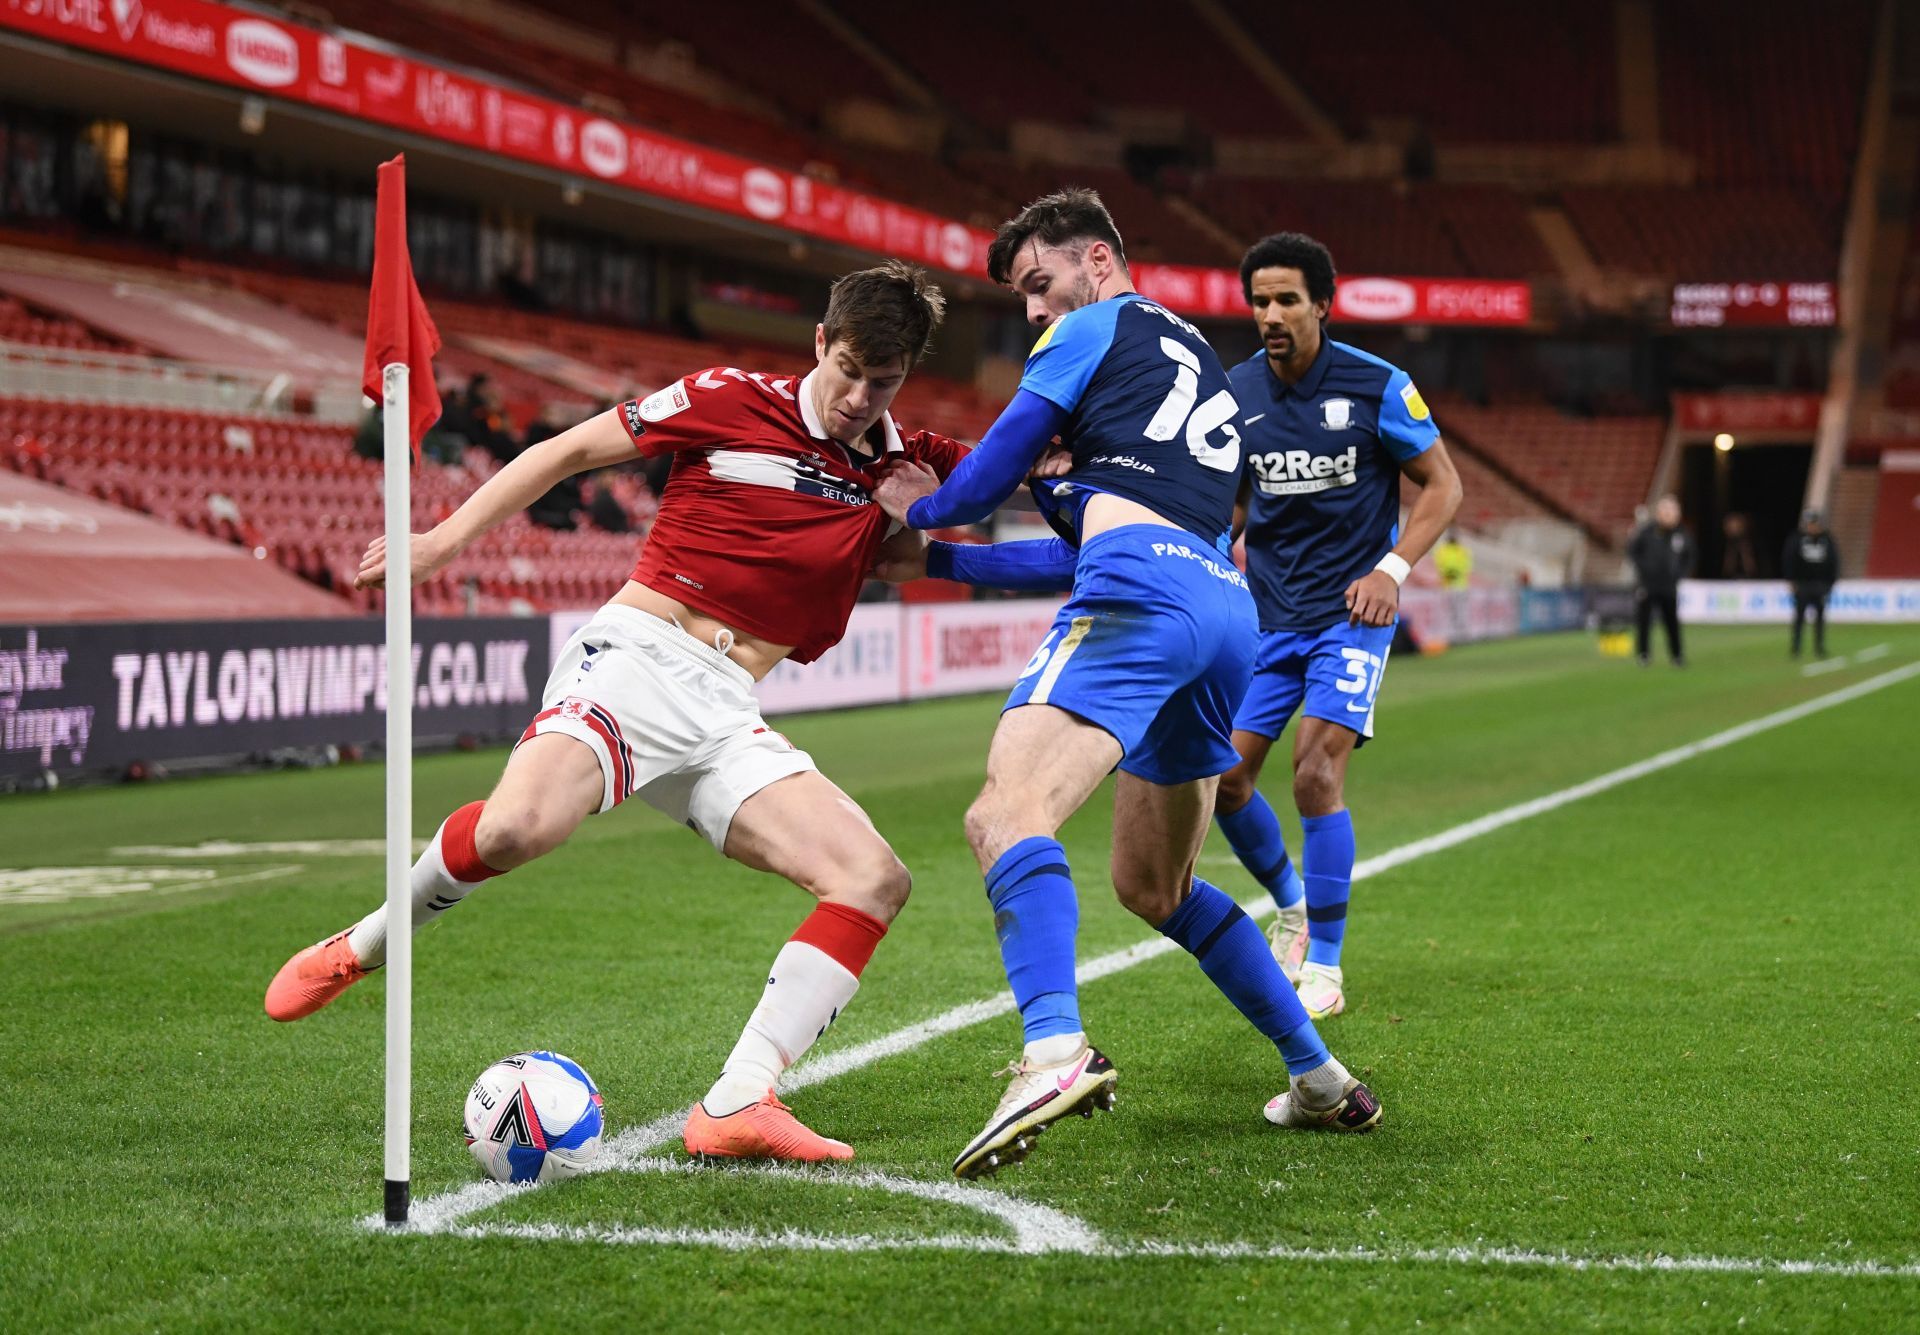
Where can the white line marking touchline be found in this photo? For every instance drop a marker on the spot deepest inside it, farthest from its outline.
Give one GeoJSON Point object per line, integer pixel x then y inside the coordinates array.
{"type": "Point", "coordinates": [1871, 652]}
{"type": "Point", "coordinates": [746, 1239]}
{"type": "Point", "coordinates": [1825, 665]}
{"type": "Point", "coordinates": [628, 1151]}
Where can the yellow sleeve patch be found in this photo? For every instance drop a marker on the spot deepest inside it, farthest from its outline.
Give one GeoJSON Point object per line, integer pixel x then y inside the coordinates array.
{"type": "Point", "coordinates": [1416, 406]}
{"type": "Point", "coordinates": [1045, 335]}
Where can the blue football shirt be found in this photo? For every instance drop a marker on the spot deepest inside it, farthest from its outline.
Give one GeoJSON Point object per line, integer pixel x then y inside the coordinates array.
{"type": "Point", "coordinates": [1323, 466]}
{"type": "Point", "coordinates": [1151, 416]}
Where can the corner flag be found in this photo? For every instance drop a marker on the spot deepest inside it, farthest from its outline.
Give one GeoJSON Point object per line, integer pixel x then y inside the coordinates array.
{"type": "Point", "coordinates": [398, 326]}
{"type": "Point", "coordinates": [398, 374]}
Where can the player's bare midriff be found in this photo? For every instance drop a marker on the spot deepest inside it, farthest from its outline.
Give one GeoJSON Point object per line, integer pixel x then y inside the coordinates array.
{"type": "Point", "coordinates": [751, 652]}
{"type": "Point", "coordinates": [1106, 511]}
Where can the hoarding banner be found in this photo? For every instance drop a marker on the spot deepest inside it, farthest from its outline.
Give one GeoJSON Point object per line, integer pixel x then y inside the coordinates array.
{"type": "Point", "coordinates": [89, 695]}
{"type": "Point", "coordinates": [1762, 600]}
{"type": "Point", "coordinates": [1356, 300]}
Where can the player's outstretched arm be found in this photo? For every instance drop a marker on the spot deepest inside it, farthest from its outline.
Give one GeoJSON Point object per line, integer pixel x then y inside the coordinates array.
{"type": "Point", "coordinates": [1374, 600]}
{"type": "Point", "coordinates": [984, 479]}
{"type": "Point", "coordinates": [595, 443]}
{"type": "Point", "coordinates": [1041, 565]}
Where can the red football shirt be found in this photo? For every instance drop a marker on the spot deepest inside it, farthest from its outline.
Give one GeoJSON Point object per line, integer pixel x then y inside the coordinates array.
{"type": "Point", "coordinates": [767, 523]}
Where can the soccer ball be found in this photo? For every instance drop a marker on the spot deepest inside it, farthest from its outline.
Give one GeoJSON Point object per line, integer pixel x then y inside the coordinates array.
{"type": "Point", "coordinates": [533, 1117]}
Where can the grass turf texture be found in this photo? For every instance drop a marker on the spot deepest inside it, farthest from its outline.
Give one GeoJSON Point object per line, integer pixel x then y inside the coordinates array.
{"type": "Point", "coordinates": [1675, 1018]}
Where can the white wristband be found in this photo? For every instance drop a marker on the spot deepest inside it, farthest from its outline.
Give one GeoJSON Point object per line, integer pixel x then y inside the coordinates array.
{"type": "Point", "coordinates": [1396, 568]}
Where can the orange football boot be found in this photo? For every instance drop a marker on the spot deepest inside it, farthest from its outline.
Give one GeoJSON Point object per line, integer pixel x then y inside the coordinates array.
{"type": "Point", "coordinates": [312, 978]}
{"type": "Point", "coordinates": [764, 1130]}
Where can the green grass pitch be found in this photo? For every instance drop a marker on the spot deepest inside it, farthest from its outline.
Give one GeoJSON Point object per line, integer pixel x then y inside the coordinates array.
{"type": "Point", "coordinates": [1675, 1018]}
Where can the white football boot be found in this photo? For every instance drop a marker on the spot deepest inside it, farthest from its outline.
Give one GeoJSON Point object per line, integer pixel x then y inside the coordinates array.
{"type": "Point", "coordinates": [1319, 988]}
{"type": "Point", "coordinates": [1287, 938]}
{"type": "Point", "coordinates": [1356, 1109]}
{"type": "Point", "coordinates": [1036, 1097]}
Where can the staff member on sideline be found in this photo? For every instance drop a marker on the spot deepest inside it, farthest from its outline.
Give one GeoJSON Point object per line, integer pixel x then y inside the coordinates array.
{"type": "Point", "coordinates": [1662, 556]}
{"type": "Point", "coordinates": [1811, 564]}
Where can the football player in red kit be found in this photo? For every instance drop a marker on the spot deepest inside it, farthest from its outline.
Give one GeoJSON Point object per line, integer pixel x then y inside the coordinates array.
{"type": "Point", "coordinates": [765, 533]}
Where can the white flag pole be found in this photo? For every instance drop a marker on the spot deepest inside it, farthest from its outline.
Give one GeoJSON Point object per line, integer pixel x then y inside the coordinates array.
{"type": "Point", "coordinates": [396, 414]}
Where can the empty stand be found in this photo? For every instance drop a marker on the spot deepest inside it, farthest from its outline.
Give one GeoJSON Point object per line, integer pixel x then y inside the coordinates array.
{"type": "Point", "coordinates": [1487, 499]}
{"type": "Point", "coordinates": [297, 493]}
{"type": "Point", "coordinates": [1757, 101]}
{"type": "Point", "coordinates": [1461, 73]}
{"type": "Point", "coordinates": [781, 53]}
{"type": "Point", "coordinates": [1597, 468]}
{"type": "Point", "coordinates": [1151, 229]}
{"type": "Point", "coordinates": [981, 58]}
{"type": "Point", "coordinates": [1371, 227]}
{"type": "Point", "coordinates": [20, 323]}
{"type": "Point", "coordinates": [70, 557]}
{"type": "Point", "coordinates": [435, 32]}
{"type": "Point", "coordinates": [1709, 233]}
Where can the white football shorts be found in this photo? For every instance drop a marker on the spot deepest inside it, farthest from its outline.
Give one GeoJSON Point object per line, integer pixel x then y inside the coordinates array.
{"type": "Point", "coordinates": [668, 717]}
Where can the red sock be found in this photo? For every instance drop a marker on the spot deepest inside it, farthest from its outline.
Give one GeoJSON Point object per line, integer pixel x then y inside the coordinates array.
{"type": "Point", "coordinates": [845, 935]}
{"type": "Point", "coordinates": [457, 845]}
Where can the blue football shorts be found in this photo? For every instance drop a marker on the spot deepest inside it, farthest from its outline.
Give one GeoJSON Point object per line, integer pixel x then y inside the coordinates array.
{"type": "Point", "coordinates": [1155, 646]}
{"type": "Point", "coordinates": [1332, 674]}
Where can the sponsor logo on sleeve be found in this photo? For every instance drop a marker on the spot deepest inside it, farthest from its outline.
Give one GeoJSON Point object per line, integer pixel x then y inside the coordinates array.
{"type": "Point", "coordinates": [1416, 406]}
{"type": "Point", "coordinates": [673, 399]}
{"type": "Point", "coordinates": [630, 412]}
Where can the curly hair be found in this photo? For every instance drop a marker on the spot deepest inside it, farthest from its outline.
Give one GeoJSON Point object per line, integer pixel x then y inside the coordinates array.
{"type": "Point", "coordinates": [1290, 250]}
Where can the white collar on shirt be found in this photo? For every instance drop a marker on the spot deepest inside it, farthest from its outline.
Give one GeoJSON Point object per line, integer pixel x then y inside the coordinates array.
{"type": "Point", "coordinates": [819, 432]}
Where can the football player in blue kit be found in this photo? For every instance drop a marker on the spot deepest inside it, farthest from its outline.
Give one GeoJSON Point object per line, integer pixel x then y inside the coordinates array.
{"type": "Point", "coordinates": [1328, 432]}
{"type": "Point", "coordinates": [1142, 669]}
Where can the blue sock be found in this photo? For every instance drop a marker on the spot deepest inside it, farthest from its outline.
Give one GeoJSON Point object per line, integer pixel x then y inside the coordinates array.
{"type": "Point", "coordinates": [1233, 953]}
{"type": "Point", "coordinates": [1253, 832]}
{"type": "Point", "coordinates": [1327, 853]}
{"type": "Point", "coordinates": [1036, 915]}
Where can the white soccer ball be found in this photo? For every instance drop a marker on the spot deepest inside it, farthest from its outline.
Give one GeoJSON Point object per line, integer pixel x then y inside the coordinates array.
{"type": "Point", "coordinates": [533, 1117]}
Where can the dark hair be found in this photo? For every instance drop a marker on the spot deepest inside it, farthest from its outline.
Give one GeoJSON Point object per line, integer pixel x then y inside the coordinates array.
{"type": "Point", "coordinates": [885, 312]}
{"type": "Point", "coordinates": [1290, 250]}
{"type": "Point", "coordinates": [1065, 216]}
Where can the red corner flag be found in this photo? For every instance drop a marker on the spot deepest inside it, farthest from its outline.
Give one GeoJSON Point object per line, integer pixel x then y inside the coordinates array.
{"type": "Point", "coordinates": [398, 326]}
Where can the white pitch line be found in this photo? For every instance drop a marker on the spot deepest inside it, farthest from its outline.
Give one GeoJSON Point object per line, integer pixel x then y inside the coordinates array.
{"type": "Point", "coordinates": [1872, 652]}
{"type": "Point", "coordinates": [1825, 665]}
{"type": "Point", "coordinates": [626, 1150]}
{"type": "Point", "coordinates": [747, 1239]}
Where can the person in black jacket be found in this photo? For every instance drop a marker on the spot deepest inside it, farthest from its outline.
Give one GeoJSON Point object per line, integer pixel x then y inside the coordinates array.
{"type": "Point", "coordinates": [1662, 556]}
{"type": "Point", "coordinates": [1811, 565]}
